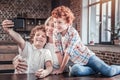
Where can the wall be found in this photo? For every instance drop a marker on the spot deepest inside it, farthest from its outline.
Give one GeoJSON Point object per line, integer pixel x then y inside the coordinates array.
{"type": "Point", "coordinates": [22, 8]}
{"type": "Point", "coordinates": [76, 7]}
{"type": "Point", "coordinates": [109, 53]}
{"type": "Point", "coordinates": [35, 9]}
{"type": "Point", "coordinates": [109, 57]}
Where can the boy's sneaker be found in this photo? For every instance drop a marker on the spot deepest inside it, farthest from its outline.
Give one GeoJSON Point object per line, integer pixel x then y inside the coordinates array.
{"type": "Point", "coordinates": [70, 68]}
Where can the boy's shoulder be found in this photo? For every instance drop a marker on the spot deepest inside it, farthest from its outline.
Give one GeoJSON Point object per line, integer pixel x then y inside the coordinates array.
{"type": "Point", "coordinates": [28, 44]}
{"type": "Point", "coordinates": [72, 30]}
{"type": "Point", "coordinates": [46, 50]}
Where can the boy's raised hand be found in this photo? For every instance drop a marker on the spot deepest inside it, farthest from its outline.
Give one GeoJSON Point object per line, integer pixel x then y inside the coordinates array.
{"type": "Point", "coordinates": [7, 24]}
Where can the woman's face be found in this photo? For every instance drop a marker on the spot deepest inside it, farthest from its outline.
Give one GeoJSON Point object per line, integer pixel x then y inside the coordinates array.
{"type": "Point", "coordinates": [60, 24]}
{"type": "Point", "coordinates": [39, 39]}
{"type": "Point", "coordinates": [49, 29]}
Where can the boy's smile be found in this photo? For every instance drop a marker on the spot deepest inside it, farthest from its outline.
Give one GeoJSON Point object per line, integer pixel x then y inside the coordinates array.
{"type": "Point", "coordinates": [39, 39]}
{"type": "Point", "coordinates": [60, 25]}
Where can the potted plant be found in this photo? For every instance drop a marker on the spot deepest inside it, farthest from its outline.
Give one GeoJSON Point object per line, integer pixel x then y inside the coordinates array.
{"type": "Point", "coordinates": [116, 35]}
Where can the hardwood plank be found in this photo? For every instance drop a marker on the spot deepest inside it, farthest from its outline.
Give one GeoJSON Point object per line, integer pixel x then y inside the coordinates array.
{"type": "Point", "coordinates": [7, 66]}
{"type": "Point", "coordinates": [8, 49]}
{"type": "Point", "coordinates": [7, 57]}
{"type": "Point", "coordinates": [7, 71]}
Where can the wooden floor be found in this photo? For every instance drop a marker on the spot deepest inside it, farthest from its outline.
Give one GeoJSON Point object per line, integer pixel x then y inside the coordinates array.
{"type": "Point", "coordinates": [92, 77]}
{"type": "Point", "coordinates": [64, 76]}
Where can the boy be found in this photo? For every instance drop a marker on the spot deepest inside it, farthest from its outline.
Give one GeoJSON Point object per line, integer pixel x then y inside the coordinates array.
{"type": "Point", "coordinates": [68, 45]}
{"type": "Point", "coordinates": [33, 52]}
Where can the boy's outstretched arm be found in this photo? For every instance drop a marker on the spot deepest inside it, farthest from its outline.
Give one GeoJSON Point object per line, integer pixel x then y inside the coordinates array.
{"type": "Point", "coordinates": [7, 24]}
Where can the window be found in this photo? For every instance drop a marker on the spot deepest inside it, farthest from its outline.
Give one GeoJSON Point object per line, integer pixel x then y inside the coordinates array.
{"type": "Point", "coordinates": [101, 19]}
{"type": "Point", "coordinates": [117, 16]}
{"type": "Point", "coordinates": [93, 1]}
{"type": "Point", "coordinates": [94, 17]}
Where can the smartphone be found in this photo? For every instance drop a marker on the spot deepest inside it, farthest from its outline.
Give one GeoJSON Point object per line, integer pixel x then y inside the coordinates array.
{"type": "Point", "coordinates": [18, 23]}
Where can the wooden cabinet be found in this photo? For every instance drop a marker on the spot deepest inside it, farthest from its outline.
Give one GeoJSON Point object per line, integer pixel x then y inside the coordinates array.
{"type": "Point", "coordinates": [26, 24]}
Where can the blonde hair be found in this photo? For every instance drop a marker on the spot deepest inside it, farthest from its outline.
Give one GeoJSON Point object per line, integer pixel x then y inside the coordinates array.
{"type": "Point", "coordinates": [63, 12]}
{"type": "Point", "coordinates": [35, 29]}
{"type": "Point", "coordinates": [48, 21]}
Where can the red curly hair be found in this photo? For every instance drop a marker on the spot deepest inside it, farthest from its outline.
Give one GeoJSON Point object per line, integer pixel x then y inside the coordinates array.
{"type": "Point", "coordinates": [63, 12]}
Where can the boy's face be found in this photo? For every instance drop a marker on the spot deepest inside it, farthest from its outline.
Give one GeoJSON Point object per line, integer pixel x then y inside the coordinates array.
{"type": "Point", "coordinates": [39, 39]}
{"type": "Point", "coordinates": [49, 29]}
{"type": "Point", "coordinates": [60, 24]}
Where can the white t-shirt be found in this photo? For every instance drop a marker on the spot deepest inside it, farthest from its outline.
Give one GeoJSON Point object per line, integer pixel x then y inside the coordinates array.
{"type": "Point", "coordinates": [50, 46]}
{"type": "Point", "coordinates": [35, 58]}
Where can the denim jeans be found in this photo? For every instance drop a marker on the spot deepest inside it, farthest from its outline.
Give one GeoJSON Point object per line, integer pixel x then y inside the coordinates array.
{"type": "Point", "coordinates": [95, 65]}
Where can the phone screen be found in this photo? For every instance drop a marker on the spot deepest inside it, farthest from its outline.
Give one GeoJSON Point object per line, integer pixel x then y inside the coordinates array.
{"type": "Point", "coordinates": [18, 23]}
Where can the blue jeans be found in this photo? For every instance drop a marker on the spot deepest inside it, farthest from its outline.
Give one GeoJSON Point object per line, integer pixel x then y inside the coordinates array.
{"type": "Point", "coordinates": [95, 65]}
